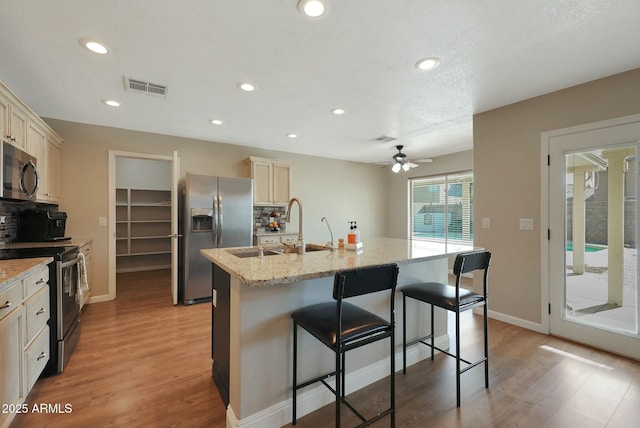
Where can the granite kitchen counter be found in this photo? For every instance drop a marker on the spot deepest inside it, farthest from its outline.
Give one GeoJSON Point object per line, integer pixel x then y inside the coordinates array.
{"type": "Point", "coordinates": [18, 269]}
{"type": "Point", "coordinates": [287, 268]}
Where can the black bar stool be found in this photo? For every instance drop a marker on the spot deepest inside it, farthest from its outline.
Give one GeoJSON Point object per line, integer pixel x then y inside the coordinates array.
{"type": "Point", "coordinates": [342, 326]}
{"type": "Point", "coordinates": [454, 299]}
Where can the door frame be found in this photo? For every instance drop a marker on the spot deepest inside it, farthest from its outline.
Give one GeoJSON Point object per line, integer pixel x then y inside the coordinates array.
{"type": "Point", "coordinates": [545, 243]}
{"type": "Point", "coordinates": [113, 157]}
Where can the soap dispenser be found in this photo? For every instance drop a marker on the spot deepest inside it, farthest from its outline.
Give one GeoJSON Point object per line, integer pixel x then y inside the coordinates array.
{"type": "Point", "coordinates": [357, 233]}
{"type": "Point", "coordinates": [351, 236]}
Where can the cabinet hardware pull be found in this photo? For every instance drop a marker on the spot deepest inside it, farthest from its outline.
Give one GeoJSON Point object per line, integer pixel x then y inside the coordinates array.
{"type": "Point", "coordinates": [41, 356]}
{"type": "Point", "coordinates": [41, 311]}
{"type": "Point", "coordinates": [6, 305]}
{"type": "Point", "coordinates": [40, 281]}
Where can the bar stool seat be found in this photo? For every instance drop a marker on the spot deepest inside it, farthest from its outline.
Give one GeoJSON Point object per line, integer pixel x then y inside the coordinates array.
{"type": "Point", "coordinates": [442, 295]}
{"type": "Point", "coordinates": [320, 321]}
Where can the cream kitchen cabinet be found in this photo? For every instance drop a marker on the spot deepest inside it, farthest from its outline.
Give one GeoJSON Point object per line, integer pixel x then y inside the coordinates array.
{"type": "Point", "coordinates": [14, 122]}
{"type": "Point", "coordinates": [271, 181]}
{"type": "Point", "coordinates": [21, 127]}
{"type": "Point", "coordinates": [11, 337]}
{"type": "Point", "coordinates": [24, 334]}
{"type": "Point", "coordinates": [45, 146]}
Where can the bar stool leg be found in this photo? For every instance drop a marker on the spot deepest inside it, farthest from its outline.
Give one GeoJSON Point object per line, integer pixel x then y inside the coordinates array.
{"type": "Point", "coordinates": [458, 357]}
{"type": "Point", "coordinates": [339, 386]}
{"type": "Point", "coordinates": [432, 334]}
{"type": "Point", "coordinates": [295, 371]}
{"type": "Point", "coordinates": [486, 348]}
{"type": "Point", "coordinates": [404, 334]}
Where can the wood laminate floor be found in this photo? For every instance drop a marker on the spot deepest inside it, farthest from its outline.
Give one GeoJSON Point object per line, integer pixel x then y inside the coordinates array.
{"type": "Point", "coordinates": [142, 362]}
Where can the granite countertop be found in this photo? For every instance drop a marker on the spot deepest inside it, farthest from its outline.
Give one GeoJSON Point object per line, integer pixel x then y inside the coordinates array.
{"type": "Point", "coordinates": [18, 269]}
{"type": "Point", "coordinates": [287, 268]}
{"type": "Point", "coordinates": [73, 241]}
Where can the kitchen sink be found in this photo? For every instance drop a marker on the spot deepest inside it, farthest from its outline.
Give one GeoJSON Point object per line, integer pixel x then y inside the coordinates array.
{"type": "Point", "coordinates": [254, 253]}
{"type": "Point", "coordinates": [309, 248]}
{"type": "Point", "coordinates": [272, 251]}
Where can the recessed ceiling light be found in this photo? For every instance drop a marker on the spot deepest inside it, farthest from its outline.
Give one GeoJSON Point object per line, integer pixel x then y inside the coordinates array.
{"type": "Point", "coordinates": [292, 135]}
{"type": "Point", "coordinates": [111, 103]}
{"type": "Point", "coordinates": [94, 46]}
{"type": "Point", "coordinates": [313, 8]}
{"type": "Point", "coordinates": [338, 111]}
{"type": "Point", "coordinates": [428, 63]}
{"type": "Point", "coordinates": [247, 87]}
{"type": "Point", "coordinates": [216, 121]}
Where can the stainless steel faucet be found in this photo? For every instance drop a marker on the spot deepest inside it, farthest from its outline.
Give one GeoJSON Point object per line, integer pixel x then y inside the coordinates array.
{"type": "Point", "coordinates": [330, 244]}
{"type": "Point", "coordinates": [288, 220]}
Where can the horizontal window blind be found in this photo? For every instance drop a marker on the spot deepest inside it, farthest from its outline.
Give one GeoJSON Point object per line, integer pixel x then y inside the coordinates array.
{"type": "Point", "coordinates": [442, 208]}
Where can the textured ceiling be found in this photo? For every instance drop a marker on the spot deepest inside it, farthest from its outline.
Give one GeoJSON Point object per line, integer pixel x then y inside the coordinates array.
{"type": "Point", "coordinates": [360, 57]}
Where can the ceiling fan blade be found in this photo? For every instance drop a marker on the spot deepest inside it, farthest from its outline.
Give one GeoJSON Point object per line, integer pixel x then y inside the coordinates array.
{"type": "Point", "coordinates": [411, 165]}
{"type": "Point", "coordinates": [425, 160]}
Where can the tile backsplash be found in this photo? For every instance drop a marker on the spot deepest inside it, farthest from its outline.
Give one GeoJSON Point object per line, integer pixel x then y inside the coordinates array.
{"type": "Point", "coordinates": [261, 217]}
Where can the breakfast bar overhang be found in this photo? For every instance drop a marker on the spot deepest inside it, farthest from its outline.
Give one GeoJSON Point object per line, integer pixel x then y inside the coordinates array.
{"type": "Point", "coordinates": [254, 297]}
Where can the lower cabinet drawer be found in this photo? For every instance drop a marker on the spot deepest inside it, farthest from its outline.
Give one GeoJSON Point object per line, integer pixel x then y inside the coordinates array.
{"type": "Point", "coordinates": [37, 356]}
{"type": "Point", "coordinates": [262, 240]}
{"type": "Point", "coordinates": [10, 299]}
{"type": "Point", "coordinates": [36, 281]}
{"type": "Point", "coordinates": [289, 238]}
{"type": "Point", "coordinates": [37, 312]}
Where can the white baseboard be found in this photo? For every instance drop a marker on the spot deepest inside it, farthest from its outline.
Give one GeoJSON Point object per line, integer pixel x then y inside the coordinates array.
{"type": "Point", "coordinates": [98, 299]}
{"type": "Point", "coordinates": [315, 397]}
{"type": "Point", "coordinates": [529, 325]}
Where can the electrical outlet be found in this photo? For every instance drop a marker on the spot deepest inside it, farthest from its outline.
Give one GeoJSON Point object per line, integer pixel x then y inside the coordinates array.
{"type": "Point", "coordinates": [102, 221]}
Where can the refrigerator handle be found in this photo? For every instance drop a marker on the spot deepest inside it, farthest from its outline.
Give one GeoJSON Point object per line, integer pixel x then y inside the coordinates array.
{"type": "Point", "coordinates": [220, 217]}
{"type": "Point", "coordinates": [215, 221]}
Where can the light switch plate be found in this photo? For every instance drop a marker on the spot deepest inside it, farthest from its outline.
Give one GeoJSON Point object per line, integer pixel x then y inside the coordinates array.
{"type": "Point", "coordinates": [526, 224]}
{"type": "Point", "coordinates": [486, 223]}
{"type": "Point", "coordinates": [102, 221]}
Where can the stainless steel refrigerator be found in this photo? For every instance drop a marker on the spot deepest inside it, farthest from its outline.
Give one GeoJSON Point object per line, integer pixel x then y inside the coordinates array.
{"type": "Point", "coordinates": [214, 212]}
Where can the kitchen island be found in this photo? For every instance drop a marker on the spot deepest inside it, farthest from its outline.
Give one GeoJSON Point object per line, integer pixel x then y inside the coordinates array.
{"type": "Point", "coordinates": [252, 328]}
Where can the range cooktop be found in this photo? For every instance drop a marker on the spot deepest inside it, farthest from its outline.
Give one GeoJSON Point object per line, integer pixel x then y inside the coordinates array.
{"type": "Point", "coordinates": [28, 253]}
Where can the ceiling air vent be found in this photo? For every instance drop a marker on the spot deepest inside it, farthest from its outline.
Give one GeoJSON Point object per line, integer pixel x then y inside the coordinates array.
{"type": "Point", "coordinates": [145, 87]}
{"type": "Point", "coordinates": [384, 139]}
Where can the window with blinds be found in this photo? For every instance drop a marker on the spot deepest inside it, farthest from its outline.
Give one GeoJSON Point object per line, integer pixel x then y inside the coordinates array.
{"type": "Point", "coordinates": [442, 208]}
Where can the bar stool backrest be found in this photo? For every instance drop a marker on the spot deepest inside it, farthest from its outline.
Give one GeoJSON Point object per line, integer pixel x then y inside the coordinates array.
{"type": "Point", "coordinates": [473, 260]}
{"type": "Point", "coordinates": [356, 282]}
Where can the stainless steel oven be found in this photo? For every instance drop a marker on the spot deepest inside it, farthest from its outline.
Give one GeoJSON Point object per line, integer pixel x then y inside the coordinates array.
{"type": "Point", "coordinates": [67, 309]}
{"type": "Point", "coordinates": [64, 320]}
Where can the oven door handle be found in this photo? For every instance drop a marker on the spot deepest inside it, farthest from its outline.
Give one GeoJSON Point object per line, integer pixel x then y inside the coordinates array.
{"type": "Point", "coordinates": [70, 263]}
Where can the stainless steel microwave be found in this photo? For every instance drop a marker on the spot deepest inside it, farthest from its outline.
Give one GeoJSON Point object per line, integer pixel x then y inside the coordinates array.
{"type": "Point", "coordinates": [20, 178]}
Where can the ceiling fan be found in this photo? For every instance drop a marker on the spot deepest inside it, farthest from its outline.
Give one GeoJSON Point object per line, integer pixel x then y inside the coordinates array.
{"type": "Point", "coordinates": [400, 161]}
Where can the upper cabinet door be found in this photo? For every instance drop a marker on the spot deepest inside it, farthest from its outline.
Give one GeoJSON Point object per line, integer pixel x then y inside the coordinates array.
{"type": "Point", "coordinates": [281, 183]}
{"type": "Point", "coordinates": [18, 127]}
{"type": "Point", "coordinates": [271, 181]}
{"type": "Point", "coordinates": [13, 123]}
{"type": "Point", "coordinates": [262, 174]}
{"type": "Point", "coordinates": [4, 118]}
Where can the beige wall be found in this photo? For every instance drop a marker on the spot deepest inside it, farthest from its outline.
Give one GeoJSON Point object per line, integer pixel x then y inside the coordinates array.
{"type": "Point", "coordinates": [507, 168]}
{"type": "Point", "coordinates": [339, 190]}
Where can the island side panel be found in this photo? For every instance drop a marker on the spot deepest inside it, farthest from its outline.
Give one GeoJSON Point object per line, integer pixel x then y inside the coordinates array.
{"type": "Point", "coordinates": [261, 339]}
{"type": "Point", "coordinates": [220, 325]}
